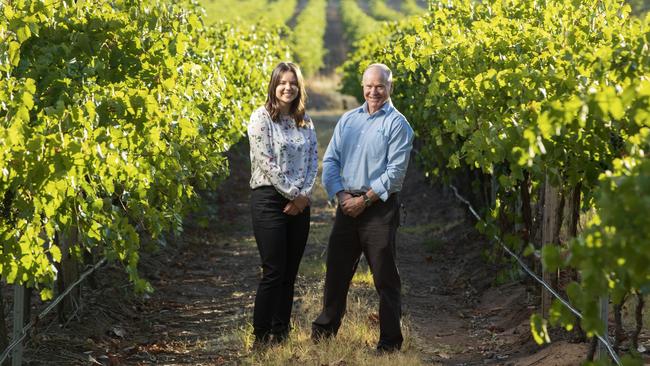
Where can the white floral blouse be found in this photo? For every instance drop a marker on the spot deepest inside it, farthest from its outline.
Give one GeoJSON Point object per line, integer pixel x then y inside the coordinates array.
{"type": "Point", "coordinates": [282, 155]}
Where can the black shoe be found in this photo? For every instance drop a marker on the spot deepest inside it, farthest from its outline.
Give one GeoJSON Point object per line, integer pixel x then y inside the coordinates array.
{"type": "Point", "coordinates": [384, 349]}
{"type": "Point", "coordinates": [319, 334]}
{"type": "Point", "coordinates": [281, 337]}
{"type": "Point", "coordinates": [262, 341]}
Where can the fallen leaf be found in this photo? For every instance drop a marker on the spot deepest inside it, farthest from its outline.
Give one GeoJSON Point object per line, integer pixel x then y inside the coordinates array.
{"type": "Point", "coordinates": [118, 331]}
{"type": "Point", "coordinates": [373, 318]}
{"type": "Point", "coordinates": [93, 360]}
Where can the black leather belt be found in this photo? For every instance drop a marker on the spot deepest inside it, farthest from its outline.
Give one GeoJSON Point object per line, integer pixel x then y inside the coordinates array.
{"type": "Point", "coordinates": [357, 193]}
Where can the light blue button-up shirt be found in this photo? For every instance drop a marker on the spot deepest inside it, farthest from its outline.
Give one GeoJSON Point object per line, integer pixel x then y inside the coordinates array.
{"type": "Point", "coordinates": [368, 151]}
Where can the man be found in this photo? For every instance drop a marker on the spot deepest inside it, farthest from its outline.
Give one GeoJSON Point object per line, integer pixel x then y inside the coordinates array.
{"type": "Point", "coordinates": [364, 167]}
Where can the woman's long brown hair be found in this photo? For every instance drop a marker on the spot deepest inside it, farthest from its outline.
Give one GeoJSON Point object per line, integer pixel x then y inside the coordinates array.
{"type": "Point", "coordinates": [297, 108]}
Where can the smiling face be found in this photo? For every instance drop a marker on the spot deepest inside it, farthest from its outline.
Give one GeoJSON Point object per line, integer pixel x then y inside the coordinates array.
{"type": "Point", "coordinates": [286, 91]}
{"type": "Point", "coordinates": [376, 88]}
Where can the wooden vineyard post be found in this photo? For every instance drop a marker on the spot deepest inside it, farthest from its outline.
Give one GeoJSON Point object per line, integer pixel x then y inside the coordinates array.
{"type": "Point", "coordinates": [551, 221]}
{"type": "Point", "coordinates": [19, 322]}
{"type": "Point", "coordinates": [4, 336]}
{"type": "Point", "coordinates": [601, 350]}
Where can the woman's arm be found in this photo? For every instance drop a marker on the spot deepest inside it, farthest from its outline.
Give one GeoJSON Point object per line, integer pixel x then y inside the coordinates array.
{"type": "Point", "coordinates": [312, 164]}
{"type": "Point", "coordinates": [263, 156]}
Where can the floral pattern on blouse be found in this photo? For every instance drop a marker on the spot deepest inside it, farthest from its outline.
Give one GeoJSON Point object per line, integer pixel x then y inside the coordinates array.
{"type": "Point", "coordinates": [282, 155]}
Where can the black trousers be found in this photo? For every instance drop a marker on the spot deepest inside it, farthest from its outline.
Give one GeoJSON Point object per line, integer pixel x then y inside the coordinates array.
{"type": "Point", "coordinates": [373, 234]}
{"type": "Point", "coordinates": [281, 241]}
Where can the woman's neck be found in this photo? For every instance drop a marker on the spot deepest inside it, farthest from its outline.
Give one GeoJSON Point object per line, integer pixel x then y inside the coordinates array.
{"type": "Point", "coordinates": [284, 108]}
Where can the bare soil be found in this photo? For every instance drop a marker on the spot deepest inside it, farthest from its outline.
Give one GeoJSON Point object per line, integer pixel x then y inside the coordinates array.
{"type": "Point", "coordinates": [459, 314]}
{"type": "Point", "coordinates": [299, 7]}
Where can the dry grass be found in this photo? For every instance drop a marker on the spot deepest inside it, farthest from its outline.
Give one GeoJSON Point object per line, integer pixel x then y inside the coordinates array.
{"type": "Point", "coordinates": [363, 276]}
{"type": "Point", "coordinates": [358, 335]}
{"type": "Point", "coordinates": [354, 345]}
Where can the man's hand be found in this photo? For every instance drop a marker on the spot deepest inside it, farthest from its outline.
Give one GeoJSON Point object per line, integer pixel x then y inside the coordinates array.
{"type": "Point", "coordinates": [353, 206]}
{"type": "Point", "coordinates": [343, 196]}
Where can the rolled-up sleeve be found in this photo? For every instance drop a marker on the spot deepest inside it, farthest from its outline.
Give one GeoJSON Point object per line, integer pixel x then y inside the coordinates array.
{"type": "Point", "coordinates": [263, 157]}
{"type": "Point", "coordinates": [400, 144]}
{"type": "Point", "coordinates": [312, 164]}
{"type": "Point", "coordinates": [332, 164]}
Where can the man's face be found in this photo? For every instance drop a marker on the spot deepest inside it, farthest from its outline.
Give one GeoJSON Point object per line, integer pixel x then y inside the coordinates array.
{"type": "Point", "coordinates": [376, 90]}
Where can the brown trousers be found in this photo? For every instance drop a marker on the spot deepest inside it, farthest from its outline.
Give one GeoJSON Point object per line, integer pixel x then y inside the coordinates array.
{"type": "Point", "coordinates": [373, 234]}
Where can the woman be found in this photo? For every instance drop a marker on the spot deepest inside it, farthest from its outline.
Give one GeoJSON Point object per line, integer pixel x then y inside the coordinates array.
{"type": "Point", "coordinates": [284, 163]}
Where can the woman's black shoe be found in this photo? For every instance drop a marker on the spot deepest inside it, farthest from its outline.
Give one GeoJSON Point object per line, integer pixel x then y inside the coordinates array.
{"type": "Point", "coordinates": [281, 337]}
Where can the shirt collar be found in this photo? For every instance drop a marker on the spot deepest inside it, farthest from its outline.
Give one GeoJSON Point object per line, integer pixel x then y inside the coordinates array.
{"type": "Point", "coordinates": [388, 105]}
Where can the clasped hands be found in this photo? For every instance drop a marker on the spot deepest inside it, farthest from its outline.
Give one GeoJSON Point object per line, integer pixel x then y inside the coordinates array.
{"type": "Point", "coordinates": [296, 206]}
{"type": "Point", "coordinates": [351, 205]}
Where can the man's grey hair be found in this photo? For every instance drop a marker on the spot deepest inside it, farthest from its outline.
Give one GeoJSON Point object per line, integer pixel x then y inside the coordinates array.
{"type": "Point", "coordinates": [388, 74]}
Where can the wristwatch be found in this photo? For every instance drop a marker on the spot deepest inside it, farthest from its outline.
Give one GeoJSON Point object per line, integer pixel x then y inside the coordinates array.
{"type": "Point", "coordinates": [366, 200]}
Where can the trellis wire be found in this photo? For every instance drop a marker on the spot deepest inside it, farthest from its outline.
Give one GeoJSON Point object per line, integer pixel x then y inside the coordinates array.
{"type": "Point", "coordinates": [550, 289]}
{"type": "Point", "coordinates": [23, 333]}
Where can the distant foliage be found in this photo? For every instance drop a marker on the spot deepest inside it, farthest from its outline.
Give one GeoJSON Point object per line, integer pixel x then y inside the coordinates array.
{"type": "Point", "coordinates": [411, 7]}
{"type": "Point", "coordinates": [356, 23]}
{"type": "Point", "coordinates": [273, 12]}
{"type": "Point", "coordinates": [380, 11]}
{"type": "Point", "coordinates": [639, 7]}
{"type": "Point", "coordinates": [308, 36]}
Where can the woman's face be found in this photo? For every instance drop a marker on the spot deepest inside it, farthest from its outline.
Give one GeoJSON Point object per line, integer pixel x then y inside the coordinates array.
{"type": "Point", "coordinates": [287, 89]}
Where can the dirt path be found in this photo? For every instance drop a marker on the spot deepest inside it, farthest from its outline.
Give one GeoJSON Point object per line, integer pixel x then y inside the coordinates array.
{"type": "Point", "coordinates": [337, 46]}
{"type": "Point", "coordinates": [394, 4]}
{"type": "Point", "coordinates": [459, 314]}
{"type": "Point", "coordinates": [364, 5]}
{"type": "Point", "coordinates": [299, 7]}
